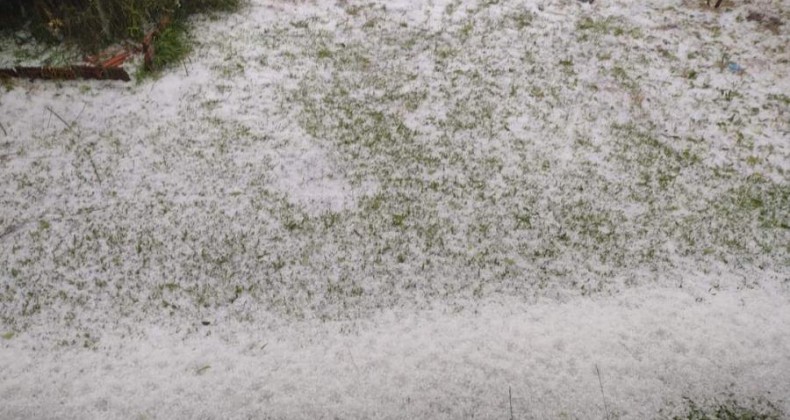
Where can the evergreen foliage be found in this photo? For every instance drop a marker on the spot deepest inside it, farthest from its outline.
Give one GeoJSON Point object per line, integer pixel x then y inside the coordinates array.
{"type": "Point", "coordinates": [92, 24]}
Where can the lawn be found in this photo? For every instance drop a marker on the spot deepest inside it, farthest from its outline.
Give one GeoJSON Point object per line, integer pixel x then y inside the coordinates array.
{"type": "Point", "coordinates": [407, 209]}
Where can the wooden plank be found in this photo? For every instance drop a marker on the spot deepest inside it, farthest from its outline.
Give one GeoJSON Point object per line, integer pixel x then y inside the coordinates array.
{"type": "Point", "coordinates": [67, 73]}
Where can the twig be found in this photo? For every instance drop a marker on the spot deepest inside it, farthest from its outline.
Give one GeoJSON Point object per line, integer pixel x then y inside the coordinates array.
{"type": "Point", "coordinates": [718, 3]}
{"type": "Point", "coordinates": [353, 363]}
{"type": "Point", "coordinates": [510, 399]}
{"type": "Point", "coordinates": [58, 116]}
{"type": "Point", "coordinates": [95, 171]}
{"type": "Point", "coordinates": [3, 128]}
{"type": "Point", "coordinates": [84, 105]}
{"type": "Point", "coordinates": [600, 382]}
{"type": "Point", "coordinates": [670, 136]}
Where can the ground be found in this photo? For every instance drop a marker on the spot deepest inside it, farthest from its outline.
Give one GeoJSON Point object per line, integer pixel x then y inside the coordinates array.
{"type": "Point", "coordinates": [413, 209]}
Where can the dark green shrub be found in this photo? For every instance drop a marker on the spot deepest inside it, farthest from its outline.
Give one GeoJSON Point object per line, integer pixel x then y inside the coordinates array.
{"type": "Point", "coordinates": [92, 24]}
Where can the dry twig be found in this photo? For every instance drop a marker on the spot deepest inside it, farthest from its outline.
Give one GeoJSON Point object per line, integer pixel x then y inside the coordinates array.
{"type": "Point", "coordinates": [510, 399]}
{"type": "Point", "coordinates": [600, 382]}
{"type": "Point", "coordinates": [52, 111]}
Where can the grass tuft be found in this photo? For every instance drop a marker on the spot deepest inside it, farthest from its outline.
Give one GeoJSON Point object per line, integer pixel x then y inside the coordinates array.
{"type": "Point", "coordinates": [759, 409]}
{"type": "Point", "coordinates": [170, 47]}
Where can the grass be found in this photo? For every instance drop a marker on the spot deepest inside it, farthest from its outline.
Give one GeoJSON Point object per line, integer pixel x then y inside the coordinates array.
{"type": "Point", "coordinates": [171, 47]}
{"type": "Point", "coordinates": [606, 26]}
{"type": "Point", "coordinates": [473, 164]}
{"type": "Point", "coordinates": [373, 136]}
{"type": "Point", "coordinates": [731, 409]}
{"type": "Point", "coordinates": [480, 165]}
{"type": "Point", "coordinates": [174, 43]}
{"type": "Point", "coordinates": [6, 83]}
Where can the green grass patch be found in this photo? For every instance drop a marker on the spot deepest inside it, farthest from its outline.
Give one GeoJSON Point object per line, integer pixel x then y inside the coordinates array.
{"type": "Point", "coordinates": [607, 26]}
{"type": "Point", "coordinates": [170, 47]}
{"type": "Point", "coordinates": [758, 409]}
